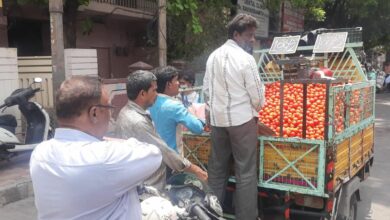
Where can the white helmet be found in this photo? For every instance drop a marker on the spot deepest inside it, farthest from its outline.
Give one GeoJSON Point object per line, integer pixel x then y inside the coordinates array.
{"type": "Point", "coordinates": [158, 208]}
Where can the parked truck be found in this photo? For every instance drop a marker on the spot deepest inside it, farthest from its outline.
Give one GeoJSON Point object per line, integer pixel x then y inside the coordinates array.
{"type": "Point", "coordinates": [324, 143]}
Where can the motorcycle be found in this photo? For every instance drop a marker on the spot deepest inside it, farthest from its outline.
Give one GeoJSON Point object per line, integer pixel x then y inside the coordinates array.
{"type": "Point", "coordinates": [185, 198]}
{"type": "Point", "coordinates": [380, 81]}
{"type": "Point", "coordinates": [38, 127]}
{"type": "Point", "coordinates": [377, 75]}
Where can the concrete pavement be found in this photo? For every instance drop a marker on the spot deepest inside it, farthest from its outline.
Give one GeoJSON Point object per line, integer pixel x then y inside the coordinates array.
{"type": "Point", "coordinates": [15, 182]}
{"type": "Point", "coordinates": [20, 210]}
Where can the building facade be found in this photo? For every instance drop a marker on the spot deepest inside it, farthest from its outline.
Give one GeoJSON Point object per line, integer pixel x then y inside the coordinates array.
{"type": "Point", "coordinates": [122, 31]}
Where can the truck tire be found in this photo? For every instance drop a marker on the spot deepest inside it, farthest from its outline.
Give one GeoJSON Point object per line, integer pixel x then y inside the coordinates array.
{"type": "Point", "coordinates": [347, 205]}
{"type": "Point", "coordinates": [353, 208]}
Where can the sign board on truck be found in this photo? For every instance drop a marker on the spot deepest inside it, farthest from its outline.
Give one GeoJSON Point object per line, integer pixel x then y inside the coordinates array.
{"type": "Point", "coordinates": [284, 45]}
{"type": "Point", "coordinates": [330, 42]}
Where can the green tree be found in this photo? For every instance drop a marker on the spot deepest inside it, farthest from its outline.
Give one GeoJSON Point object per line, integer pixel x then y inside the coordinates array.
{"type": "Point", "coordinates": [314, 9]}
{"type": "Point", "coordinates": [196, 27]}
{"type": "Point", "coordinates": [372, 15]}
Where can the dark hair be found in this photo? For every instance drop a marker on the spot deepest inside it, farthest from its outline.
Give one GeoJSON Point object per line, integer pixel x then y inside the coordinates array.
{"type": "Point", "coordinates": [386, 63]}
{"type": "Point", "coordinates": [188, 76]}
{"type": "Point", "coordinates": [164, 75]}
{"type": "Point", "coordinates": [241, 23]}
{"type": "Point", "coordinates": [138, 81]}
{"type": "Point", "coordinates": [77, 94]}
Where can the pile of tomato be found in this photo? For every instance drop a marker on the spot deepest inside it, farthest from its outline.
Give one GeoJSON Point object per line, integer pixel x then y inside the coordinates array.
{"type": "Point", "coordinates": [354, 107]}
{"type": "Point", "coordinates": [293, 109]}
{"type": "Point", "coordinates": [339, 113]}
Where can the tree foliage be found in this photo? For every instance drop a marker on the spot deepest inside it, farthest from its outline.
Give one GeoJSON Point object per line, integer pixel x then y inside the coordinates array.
{"type": "Point", "coordinates": [372, 15]}
{"type": "Point", "coordinates": [199, 26]}
{"type": "Point", "coordinates": [196, 27]}
{"type": "Point", "coordinates": [178, 7]}
{"type": "Point", "coordinates": [314, 9]}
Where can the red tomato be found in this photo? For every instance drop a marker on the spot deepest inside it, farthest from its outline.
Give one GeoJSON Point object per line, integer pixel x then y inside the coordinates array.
{"type": "Point", "coordinates": [293, 110]}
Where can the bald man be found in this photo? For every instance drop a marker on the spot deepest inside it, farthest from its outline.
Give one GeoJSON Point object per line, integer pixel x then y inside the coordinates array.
{"type": "Point", "coordinates": [77, 175]}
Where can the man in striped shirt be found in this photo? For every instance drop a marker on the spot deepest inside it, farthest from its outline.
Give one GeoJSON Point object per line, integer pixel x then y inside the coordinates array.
{"type": "Point", "coordinates": [235, 94]}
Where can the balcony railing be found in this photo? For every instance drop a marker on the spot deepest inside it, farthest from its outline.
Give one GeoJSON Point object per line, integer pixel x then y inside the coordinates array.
{"type": "Point", "coordinates": [144, 5]}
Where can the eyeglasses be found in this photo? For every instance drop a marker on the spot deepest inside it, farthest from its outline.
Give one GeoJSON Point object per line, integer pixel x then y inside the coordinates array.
{"type": "Point", "coordinates": [110, 107]}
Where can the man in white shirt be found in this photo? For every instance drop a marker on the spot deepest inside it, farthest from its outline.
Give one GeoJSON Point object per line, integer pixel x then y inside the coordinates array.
{"type": "Point", "coordinates": [77, 175]}
{"type": "Point", "coordinates": [235, 95]}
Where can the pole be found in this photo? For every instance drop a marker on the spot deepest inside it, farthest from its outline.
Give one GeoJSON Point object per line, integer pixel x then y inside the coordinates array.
{"type": "Point", "coordinates": [3, 27]}
{"type": "Point", "coordinates": [57, 42]}
{"type": "Point", "coordinates": [162, 33]}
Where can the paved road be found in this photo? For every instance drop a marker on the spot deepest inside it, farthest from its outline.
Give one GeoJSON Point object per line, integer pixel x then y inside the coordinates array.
{"type": "Point", "coordinates": [375, 191]}
{"type": "Point", "coordinates": [15, 169]}
{"type": "Point", "coordinates": [20, 210]}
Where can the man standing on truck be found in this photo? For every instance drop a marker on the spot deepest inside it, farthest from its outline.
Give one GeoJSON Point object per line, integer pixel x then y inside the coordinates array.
{"type": "Point", "coordinates": [235, 94]}
{"type": "Point", "coordinates": [134, 121]}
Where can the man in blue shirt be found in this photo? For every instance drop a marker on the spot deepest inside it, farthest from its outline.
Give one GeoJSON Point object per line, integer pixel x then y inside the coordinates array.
{"type": "Point", "coordinates": [167, 112]}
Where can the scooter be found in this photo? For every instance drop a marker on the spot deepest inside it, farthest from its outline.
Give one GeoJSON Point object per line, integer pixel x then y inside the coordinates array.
{"type": "Point", "coordinates": [38, 127]}
{"type": "Point", "coordinates": [185, 198]}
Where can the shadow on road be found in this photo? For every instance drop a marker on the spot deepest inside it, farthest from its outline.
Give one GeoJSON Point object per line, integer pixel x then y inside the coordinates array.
{"type": "Point", "coordinates": [375, 193]}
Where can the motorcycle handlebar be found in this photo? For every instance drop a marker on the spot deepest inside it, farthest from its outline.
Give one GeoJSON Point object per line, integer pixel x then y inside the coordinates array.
{"type": "Point", "coordinates": [198, 211]}
{"type": "Point", "coordinates": [36, 90]}
{"type": "Point", "coordinates": [20, 96]}
{"type": "Point", "coordinates": [28, 93]}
